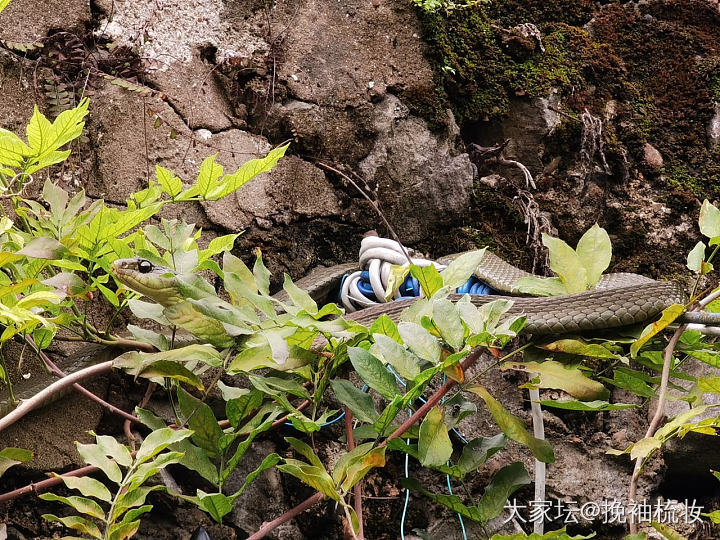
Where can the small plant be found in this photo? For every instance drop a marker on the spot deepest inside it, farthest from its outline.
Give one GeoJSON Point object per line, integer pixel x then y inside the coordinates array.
{"type": "Point", "coordinates": [114, 516]}
{"type": "Point", "coordinates": [577, 269]}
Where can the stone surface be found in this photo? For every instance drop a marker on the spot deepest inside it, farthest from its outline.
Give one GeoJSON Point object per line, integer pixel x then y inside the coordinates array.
{"type": "Point", "coordinates": [415, 169]}
{"type": "Point", "coordinates": [342, 53]}
{"type": "Point", "coordinates": [713, 129]}
{"type": "Point", "coordinates": [264, 499]}
{"type": "Point", "coordinates": [195, 92]}
{"type": "Point", "coordinates": [17, 101]}
{"type": "Point", "coordinates": [120, 134]}
{"type": "Point", "coordinates": [652, 157]}
{"type": "Point", "coordinates": [295, 190]}
{"type": "Point", "coordinates": [51, 436]}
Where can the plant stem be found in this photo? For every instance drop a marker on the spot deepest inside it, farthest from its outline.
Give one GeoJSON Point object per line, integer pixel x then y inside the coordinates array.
{"type": "Point", "coordinates": [45, 395]}
{"type": "Point", "coordinates": [357, 489]}
{"type": "Point", "coordinates": [317, 497]}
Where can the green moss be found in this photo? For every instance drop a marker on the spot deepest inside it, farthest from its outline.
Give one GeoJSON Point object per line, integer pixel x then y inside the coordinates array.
{"type": "Point", "coordinates": [476, 73]}
{"type": "Point", "coordinates": [469, 64]}
{"type": "Point", "coordinates": [700, 184]}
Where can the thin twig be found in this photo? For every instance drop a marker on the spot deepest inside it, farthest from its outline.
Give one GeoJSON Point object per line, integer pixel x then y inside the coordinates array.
{"type": "Point", "coordinates": [657, 417]}
{"type": "Point", "coordinates": [372, 203]}
{"type": "Point", "coordinates": [357, 489]}
{"type": "Point", "coordinates": [45, 484]}
{"type": "Point", "coordinates": [55, 370]}
{"type": "Point", "coordinates": [43, 396]}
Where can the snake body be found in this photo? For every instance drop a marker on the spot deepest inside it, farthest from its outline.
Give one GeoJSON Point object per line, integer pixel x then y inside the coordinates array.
{"type": "Point", "coordinates": [620, 299]}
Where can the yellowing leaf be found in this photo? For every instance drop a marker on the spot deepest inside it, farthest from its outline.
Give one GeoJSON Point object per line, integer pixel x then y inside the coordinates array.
{"type": "Point", "coordinates": [595, 251]}
{"type": "Point", "coordinates": [669, 314]}
{"type": "Point", "coordinates": [566, 263]}
{"type": "Point", "coordinates": [553, 374]}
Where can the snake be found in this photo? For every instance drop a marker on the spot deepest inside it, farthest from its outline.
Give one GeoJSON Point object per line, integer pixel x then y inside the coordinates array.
{"type": "Point", "coordinates": [618, 300]}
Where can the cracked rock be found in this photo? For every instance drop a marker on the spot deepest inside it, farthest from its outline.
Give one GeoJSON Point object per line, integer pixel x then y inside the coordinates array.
{"type": "Point", "coordinates": [294, 190]}
{"type": "Point", "coordinates": [416, 169]}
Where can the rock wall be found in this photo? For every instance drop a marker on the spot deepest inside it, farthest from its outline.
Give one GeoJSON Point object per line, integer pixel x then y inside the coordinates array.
{"type": "Point", "coordinates": [614, 108]}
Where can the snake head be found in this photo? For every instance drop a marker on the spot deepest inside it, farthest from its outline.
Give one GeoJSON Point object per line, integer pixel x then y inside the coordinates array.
{"type": "Point", "coordinates": [143, 276]}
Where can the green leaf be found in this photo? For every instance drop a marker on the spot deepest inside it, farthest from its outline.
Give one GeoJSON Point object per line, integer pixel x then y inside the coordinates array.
{"type": "Point", "coordinates": [566, 263]}
{"type": "Point", "coordinates": [383, 423]}
{"type": "Point", "coordinates": [385, 325]}
{"type": "Point", "coordinates": [478, 451]}
{"type": "Point", "coordinates": [88, 487]}
{"type": "Point", "coordinates": [171, 184]}
{"type": "Point", "coordinates": [200, 418]}
{"type": "Point", "coordinates": [540, 286]}
{"type": "Point", "coordinates": [122, 531]}
{"type": "Point", "coordinates": [644, 447]}
{"type": "Point", "coordinates": [629, 380]}
{"type": "Point", "coordinates": [92, 454]}
{"type": "Point", "coordinates": [151, 468]}
{"type": "Point", "coordinates": [299, 297]}
{"type": "Point", "coordinates": [11, 456]}
{"type": "Point", "coordinates": [406, 364]}
{"type": "Point", "coordinates": [669, 314]}
{"type": "Point", "coordinates": [247, 172]}
{"type": "Point", "coordinates": [172, 370]}
{"type": "Point", "coordinates": [420, 341]}
{"type": "Point", "coordinates": [44, 247]}
{"type": "Point", "coordinates": [360, 403]}
{"type": "Point", "coordinates": [428, 277]}
{"type": "Point", "coordinates": [215, 504]}
{"type": "Point", "coordinates": [595, 406]}
{"type": "Point", "coordinates": [696, 257]}
{"type": "Point", "coordinates": [81, 504]}
{"type": "Point", "coordinates": [45, 138]}
{"type": "Point", "coordinates": [709, 384]}
{"type": "Point", "coordinates": [434, 446]}
{"type": "Point", "coordinates": [595, 251]}
{"type": "Point", "coordinates": [194, 458]}
{"type": "Point", "coordinates": [446, 317]}
{"type": "Point", "coordinates": [159, 440]}
{"type": "Point", "coordinates": [314, 476]}
{"type": "Point", "coordinates": [709, 220]}
{"type": "Point", "coordinates": [514, 428]}
{"type": "Point", "coordinates": [238, 409]}
{"type": "Point", "coordinates": [208, 176]}
{"type": "Point", "coordinates": [268, 463]}
{"type": "Point", "coordinates": [262, 274]}
{"type": "Point", "coordinates": [76, 523]}
{"type": "Point", "coordinates": [504, 483]}
{"type": "Point", "coordinates": [556, 375]}
{"type": "Point", "coordinates": [460, 269]}
{"type": "Point", "coordinates": [396, 278]}
{"type": "Point", "coordinates": [372, 372]}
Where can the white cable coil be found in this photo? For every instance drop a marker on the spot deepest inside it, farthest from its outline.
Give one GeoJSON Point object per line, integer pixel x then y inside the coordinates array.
{"type": "Point", "coordinates": [377, 255]}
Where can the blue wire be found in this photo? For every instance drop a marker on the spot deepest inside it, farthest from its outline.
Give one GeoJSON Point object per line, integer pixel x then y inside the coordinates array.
{"type": "Point", "coordinates": [407, 458]}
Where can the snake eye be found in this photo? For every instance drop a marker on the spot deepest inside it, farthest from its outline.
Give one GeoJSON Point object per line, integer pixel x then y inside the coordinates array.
{"type": "Point", "coordinates": [144, 266]}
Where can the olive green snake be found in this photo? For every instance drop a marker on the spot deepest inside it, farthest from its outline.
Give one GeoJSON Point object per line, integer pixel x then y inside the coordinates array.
{"type": "Point", "coordinates": [620, 299]}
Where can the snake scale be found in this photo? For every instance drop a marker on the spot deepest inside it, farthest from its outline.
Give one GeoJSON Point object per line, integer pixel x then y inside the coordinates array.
{"type": "Point", "coordinates": [619, 299]}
